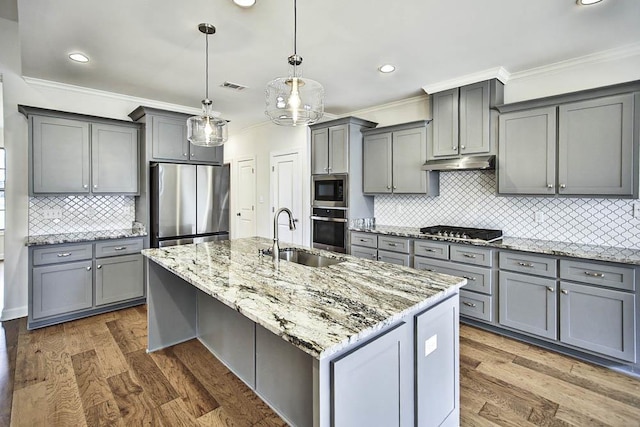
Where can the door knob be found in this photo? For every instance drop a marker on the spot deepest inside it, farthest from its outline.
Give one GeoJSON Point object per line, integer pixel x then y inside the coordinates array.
{"type": "Point", "coordinates": [238, 214]}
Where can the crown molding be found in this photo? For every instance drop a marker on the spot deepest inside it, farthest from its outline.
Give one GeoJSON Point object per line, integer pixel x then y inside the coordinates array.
{"type": "Point", "coordinates": [499, 73]}
{"type": "Point", "coordinates": [393, 104]}
{"type": "Point", "coordinates": [118, 96]}
{"type": "Point", "coordinates": [594, 58]}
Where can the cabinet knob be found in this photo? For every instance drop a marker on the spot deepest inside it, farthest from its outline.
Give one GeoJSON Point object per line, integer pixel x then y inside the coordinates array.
{"type": "Point", "coordinates": [388, 187]}
{"type": "Point", "coordinates": [88, 268]}
{"type": "Point", "coordinates": [563, 186]}
{"type": "Point", "coordinates": [549, 185]}
{"type": "Point", "coordinates": [564, 291]}
{"type": "Point", "coordinates": [95, 185]}
{"type": "Point", "coordinates": [238, 214]}
{"type": "Point", "coordinates": [326, 169]}
{"type": "Point", "coordinates": [462, 147]}
{"type": "Point", "coordinates": [329, 168]}
{"type": "Point", "coordinates": [184, 154]}
{"type": "Point", "coordinates": [454, 148]}
{"type": "Point", "coordinates": [85, 186]}
{"type": "Point", "coordinates": [550, 289]}
{"type": "Point", "coordinates": [395, 188]}
{"type": "Point", "coordinates": [99, 266]}
{"type": "Point", "coordinates": [373, 257]}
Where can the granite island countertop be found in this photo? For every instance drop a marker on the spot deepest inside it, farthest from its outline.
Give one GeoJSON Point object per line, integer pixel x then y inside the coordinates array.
{"type": "Point", "coordinates": [546, 247]}
{"type": "Point", "coordinates": [320, 310]}
{"type": "Point", "coordinates": [86, 236]}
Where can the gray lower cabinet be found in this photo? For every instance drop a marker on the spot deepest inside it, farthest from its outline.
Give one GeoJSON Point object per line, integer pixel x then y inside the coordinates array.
{"type": "Point", "coordinates": [373, 384]}
{"type": "Point", "coordinates": [392, 160]}
{"type": "Point", "coordinates": [119, 278]}
{"type": "Point", "coordinates": [599, 320]}
{"type": "Point", "coordinates": [62, 288]}
{"type": "Point", "coordinates": [528, 304]}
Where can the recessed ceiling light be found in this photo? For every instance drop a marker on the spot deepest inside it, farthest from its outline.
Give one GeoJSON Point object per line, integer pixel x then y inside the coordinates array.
{"type": "Point", "coordinates": [78, 57]}
{"type": "Point", "coordinates": [245, 3]}
{"type": "Point", "coordinates": [386, 68]}
{"type": "Point", "coordinates": [587, 2]}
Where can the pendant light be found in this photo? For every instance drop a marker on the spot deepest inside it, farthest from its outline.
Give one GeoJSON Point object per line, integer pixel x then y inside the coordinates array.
{"type": "Point", "coordinates": [292, 100]}
{"type": "Point", "coordinates": [206, 130]}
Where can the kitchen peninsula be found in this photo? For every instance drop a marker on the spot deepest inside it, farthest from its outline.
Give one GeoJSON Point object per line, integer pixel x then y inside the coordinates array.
{"type": "Point", "coordinates": [354, 343]}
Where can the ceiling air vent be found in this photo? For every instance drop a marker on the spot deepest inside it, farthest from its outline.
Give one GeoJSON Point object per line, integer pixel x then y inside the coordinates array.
{"type": "Point", "coordinates": [234, 86]}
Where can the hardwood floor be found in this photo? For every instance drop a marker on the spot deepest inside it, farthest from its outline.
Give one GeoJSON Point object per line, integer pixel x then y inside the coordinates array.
{"type": "Point", "coordinates": [96, 372]}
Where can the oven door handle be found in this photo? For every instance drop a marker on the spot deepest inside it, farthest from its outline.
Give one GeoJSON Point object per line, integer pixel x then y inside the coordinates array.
{"type": "Point", "coordinates": [322, 218]}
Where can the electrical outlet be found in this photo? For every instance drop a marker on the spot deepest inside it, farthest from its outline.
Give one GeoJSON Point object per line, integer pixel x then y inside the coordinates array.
{"type": "Point", "coordinates": [52, 213]}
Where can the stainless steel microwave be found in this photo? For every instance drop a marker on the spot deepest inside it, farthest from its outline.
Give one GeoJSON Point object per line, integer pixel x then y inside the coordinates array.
{"type": "Point", "coordinates": [329, 190]}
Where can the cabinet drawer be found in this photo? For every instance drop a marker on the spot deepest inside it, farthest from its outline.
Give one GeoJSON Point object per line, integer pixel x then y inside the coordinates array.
{"type": "Point", "coordinates": [471, 255]}
{"type": "Point", "coordinates": [478, 279]}
{"type": "Point", "coordinates": [364, 239]}
{"type": "Point", "coordinates": [611, 275]}
{"type": "Point", "coordinates": [530, 264]}
{"type": "Point", "coordinates": [395, 244]}
{"type": "Point", "coordinates": [431, 249]}
{"type": "Point", "coordinates": [118, 247]}
{"type": "Point", "coordinates": [61, 253]}
{"type": "Point", "coordinates": [476, 305]}
{"type": "Point", "coordinates": [393, 258]}
{"type": "Point", "coordinates": [363, 252]}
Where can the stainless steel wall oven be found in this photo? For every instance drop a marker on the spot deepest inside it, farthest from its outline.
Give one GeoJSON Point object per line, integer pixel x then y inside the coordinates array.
{"type": "Point", "coordinates": [329, 229]}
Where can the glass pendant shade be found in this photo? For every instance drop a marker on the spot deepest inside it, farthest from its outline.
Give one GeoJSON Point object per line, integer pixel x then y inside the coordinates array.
{"type": "Point", "coordinates": [206, 130]}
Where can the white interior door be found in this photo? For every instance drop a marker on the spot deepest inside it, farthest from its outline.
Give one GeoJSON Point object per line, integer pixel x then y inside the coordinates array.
{"type": "Point", "coordinates": [246, 198]}
{"type": "Point", "coordinates": [286, 191]}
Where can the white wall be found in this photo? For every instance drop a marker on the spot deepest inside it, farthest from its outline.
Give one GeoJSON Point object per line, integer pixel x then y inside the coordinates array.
{"type": "Point", "coordinates": [260, 141]}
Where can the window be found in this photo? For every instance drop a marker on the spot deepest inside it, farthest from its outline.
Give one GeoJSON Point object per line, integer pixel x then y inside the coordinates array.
{"type": "Point", "coordinates": [2, 177]}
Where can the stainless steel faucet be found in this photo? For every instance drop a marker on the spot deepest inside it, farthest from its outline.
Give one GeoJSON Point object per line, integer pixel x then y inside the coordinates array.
{"type": "Point", "coordinates": [292, 226]}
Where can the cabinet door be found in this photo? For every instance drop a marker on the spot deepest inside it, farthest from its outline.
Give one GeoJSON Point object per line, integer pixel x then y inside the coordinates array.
{"type": "Point", "coordinates": [409, 154]}
{"type": "Point", "coordinates": [60, 155]}
{"type": "Point", "coordinates": [597, 319]}
{"type": "Point", "coordinates": [119, 278]}
{"type": "Point", "coordinates": [528, 304]}
{"type": "Point", "coordinates": [320, 151]}
{"type": "Point", "coordinates": [373, 385]}
{"type": "Point", "coordinates": [474, 118]}
{"type": "Point", "coordinates": [444, 108]}
{"type": "Point", "coordinates": [339, 149]}
{"type": "Point", "coordinates": [114, 159]}
{"type": "Point", "coordinates": [376, 165]}
{"type": "Point", "coordinates": [527, 152]}
{"type": "Point", "coordinates": [211, 155]}
{"type": "Point", "coordinates": [169, 138]}
{"type": "Point", "coordinates": [61, 288]}
{"type": "Point", "coordinates": [595, 147]}
{"type": "Point", "coordinates": [437, 369]}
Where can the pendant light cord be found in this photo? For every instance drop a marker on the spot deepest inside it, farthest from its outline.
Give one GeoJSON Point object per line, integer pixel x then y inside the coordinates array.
{"type": "Point", "coordinates": [206, 67]}
{"type": "Point", "coordinates": [295, 27]}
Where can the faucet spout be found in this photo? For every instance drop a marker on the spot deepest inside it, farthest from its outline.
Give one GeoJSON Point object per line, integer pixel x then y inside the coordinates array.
{"type": "Point", "coordinates": [292, 226]}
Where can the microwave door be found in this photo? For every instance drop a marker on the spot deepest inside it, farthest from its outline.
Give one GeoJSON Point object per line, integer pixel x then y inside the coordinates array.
{"type": "Point", "coordinates": [175, 199]}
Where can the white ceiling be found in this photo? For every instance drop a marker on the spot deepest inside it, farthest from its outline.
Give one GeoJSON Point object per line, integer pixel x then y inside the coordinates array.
{"type": "Point", "coordinates": [152, 48]}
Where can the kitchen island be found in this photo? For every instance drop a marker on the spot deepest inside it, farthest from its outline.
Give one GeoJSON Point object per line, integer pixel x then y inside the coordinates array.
{"type": "Point", "coordinates": [354, 343]}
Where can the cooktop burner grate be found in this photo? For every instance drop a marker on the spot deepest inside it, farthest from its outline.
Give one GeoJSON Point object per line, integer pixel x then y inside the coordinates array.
{"type": "Point", "coordinates": [462, 233]}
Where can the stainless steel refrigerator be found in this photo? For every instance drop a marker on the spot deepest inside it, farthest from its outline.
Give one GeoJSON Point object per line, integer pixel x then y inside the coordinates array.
{"type": "Point", "coordinates": [189, 203]}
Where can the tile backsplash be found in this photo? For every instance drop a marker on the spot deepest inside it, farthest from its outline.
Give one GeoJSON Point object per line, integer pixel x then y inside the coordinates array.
{"type": "Point", "coordinates": [469, 199]}
{"type": "Point", "coordinates": [69, 214]}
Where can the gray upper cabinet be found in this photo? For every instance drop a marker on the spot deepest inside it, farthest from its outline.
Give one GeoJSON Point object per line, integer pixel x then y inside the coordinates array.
{"type": "Point", "coordinates": [75, 154]}
{"type": "Point", "coordinates": [463, 120]}
{"type": "Point", "coordinates": [392, 160]}
{"type": "Point", "coordinates": [59, 155]}
{"type": "Point", "coordinates": [330, 150]}
{"type": "Point", "coordinates": [114, 159]}
{"type": "Point", "coordinates": [579, 144]}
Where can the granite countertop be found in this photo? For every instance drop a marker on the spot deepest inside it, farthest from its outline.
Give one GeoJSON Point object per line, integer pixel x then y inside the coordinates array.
{"type": "Point", "coordinates": [320, 310]}
{"type": "Point", "coordinates": [87, 236]}
{"type": "Point", "coordinates": [546, 247]}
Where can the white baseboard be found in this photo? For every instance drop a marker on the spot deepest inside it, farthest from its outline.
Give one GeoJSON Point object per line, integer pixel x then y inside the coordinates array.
{"type": "Point", "coordinates": [13, 313]}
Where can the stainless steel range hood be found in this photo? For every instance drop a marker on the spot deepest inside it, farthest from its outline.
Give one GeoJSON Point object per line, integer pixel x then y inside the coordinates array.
{"type": "Point", "coordinates": [461, 163]}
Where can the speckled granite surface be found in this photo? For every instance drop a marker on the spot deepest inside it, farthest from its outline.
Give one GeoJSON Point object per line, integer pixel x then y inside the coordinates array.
{"type": "Point", "coordinates": [547, 247]}
{"type": "Point", "coordinates": [319, 310]}
{"type": "Point", "coordinates": [137, 230]}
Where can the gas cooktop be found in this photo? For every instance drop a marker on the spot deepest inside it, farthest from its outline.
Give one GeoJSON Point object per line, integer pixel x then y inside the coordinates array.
{"type": "Point", "coordinates": [462, 233]}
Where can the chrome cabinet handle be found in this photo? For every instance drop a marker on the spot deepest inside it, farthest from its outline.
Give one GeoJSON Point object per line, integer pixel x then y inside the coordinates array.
{"type": "Point", "coordinates": [564, 291]}
{"type": "Point", "coordinates": [392, 244]}
{"type": "Point", "coordinates": [470, 278]}
{"type": "Point", "coordinates": [363, 240]}
{"type": "Point", "coordinates": [549, 185]}
{"type": "Point", "coordinates": [120, 248]}
{"type": "Point", "coordinates": [563, 186]}
{"type": "Point", "coordinates": [64, 254]}
{"type": "Point", "coordinates": [469, 255]}
{"type": "Point", "coordinates": [550, 289]}
{"type": "Point", "coordinates": [430, 269]}
{"type": "Point", "coordinates": [429, 250]}
{"type": "Point", "coordinates": [99, 266]}
{"type": "Point", "coordinates": [469, 304]}
{"type": "Point", "coordinates": [525, 264]}
{"type": "Point", "coordinates": [598, 275]}
{"type": "Point", "coordinates": [88, 268]}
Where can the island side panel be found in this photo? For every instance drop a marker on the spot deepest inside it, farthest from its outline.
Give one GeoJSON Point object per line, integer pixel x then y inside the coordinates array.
{"type": "Point", "coordinates": [229, 335]}
{"type": "Point", "coordinates": [171, 305]}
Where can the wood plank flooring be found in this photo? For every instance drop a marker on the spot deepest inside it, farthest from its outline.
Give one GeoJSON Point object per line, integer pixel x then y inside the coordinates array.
{"type": "Point", "coordinates": [96, 372]}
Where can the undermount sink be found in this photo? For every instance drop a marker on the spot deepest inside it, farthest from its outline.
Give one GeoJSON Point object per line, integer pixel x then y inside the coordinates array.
{"type": "Point", "coordinates": [302, 257]}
